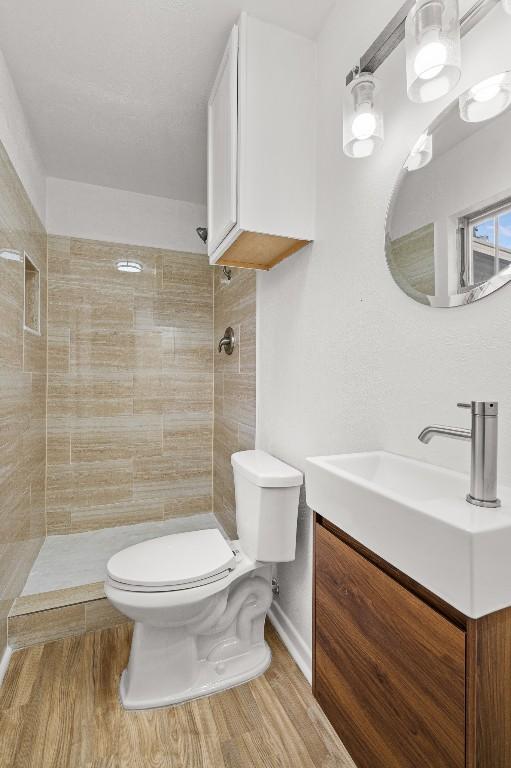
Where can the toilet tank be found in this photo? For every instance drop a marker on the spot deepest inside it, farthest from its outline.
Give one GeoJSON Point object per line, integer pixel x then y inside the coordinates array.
{"type": "Point", "coordinates": [267, 494]}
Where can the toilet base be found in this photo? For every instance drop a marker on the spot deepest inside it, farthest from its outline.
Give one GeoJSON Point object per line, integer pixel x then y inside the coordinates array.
{"type": "Point", "coordinates": [212, 677]}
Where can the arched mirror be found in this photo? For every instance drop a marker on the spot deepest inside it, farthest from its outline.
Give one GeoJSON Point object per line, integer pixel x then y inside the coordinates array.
{"type": "Point", "coordinates": [448, 232]}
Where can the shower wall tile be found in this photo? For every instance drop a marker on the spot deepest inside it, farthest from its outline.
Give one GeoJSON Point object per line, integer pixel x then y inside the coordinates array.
{"type": "Point", "coordinates": [179, 354]}
{"type": "Point", "coordinates": [11, 323]}
{"type": "Point", "coordinates": [130, 390]}
{"type": "Point", "coordinates": [240, 397]}
{"type": "Point", "coordinates": [59, 344]}
{"type": "Point", "coordinates": [58, 444]}
{"type": "Point", "coordinates": [234, 386]}
{"type": "Point", "coordinates": [168, 478]}
{"type": "Point", "coordinates": [14, 414]}
{"type": "Point", "coordinates": [187, 436]}
{"type": "Point", "coordinates": [110, 515]}
{"type": "Point", "coordinates": [116, 437]}
{"type": "Point", "coordinates": [187, 392]}
{"type": "Point", "coordinates": [23, 394]}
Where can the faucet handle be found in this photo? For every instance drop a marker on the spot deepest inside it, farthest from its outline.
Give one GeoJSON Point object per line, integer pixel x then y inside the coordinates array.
{"type": "Point", "coordinates": [482, 407]}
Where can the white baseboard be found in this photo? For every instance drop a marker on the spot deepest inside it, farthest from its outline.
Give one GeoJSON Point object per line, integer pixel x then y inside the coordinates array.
{"type": "Point", "coordinates": [4, 662]}
{"type": "Point", "coordinates": [291, 639]}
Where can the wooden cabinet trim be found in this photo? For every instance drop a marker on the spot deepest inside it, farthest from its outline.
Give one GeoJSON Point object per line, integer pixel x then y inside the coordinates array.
{"type": "Point", "coordinates": [488, 691]}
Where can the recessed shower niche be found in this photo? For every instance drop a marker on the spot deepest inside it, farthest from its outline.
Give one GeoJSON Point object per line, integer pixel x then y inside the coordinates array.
{"type": "Point", "coordinates": [32, 311]}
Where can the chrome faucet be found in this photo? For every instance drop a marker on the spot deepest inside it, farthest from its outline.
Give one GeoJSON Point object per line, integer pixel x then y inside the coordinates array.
{"type": "Point", "coordinates": [484, 438]}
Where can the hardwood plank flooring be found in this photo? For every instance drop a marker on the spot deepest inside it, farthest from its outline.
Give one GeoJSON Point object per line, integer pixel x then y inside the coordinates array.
{"type": "Point", "coordinates": [59, 708]}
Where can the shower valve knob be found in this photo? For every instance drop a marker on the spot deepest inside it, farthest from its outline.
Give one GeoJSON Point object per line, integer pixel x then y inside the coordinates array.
{"type": "Point", "coordinates": [227, 342]}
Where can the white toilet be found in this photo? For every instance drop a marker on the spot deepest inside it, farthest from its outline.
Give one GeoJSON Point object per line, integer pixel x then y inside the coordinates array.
{"type": "Point", "coordinates": [198, 601]}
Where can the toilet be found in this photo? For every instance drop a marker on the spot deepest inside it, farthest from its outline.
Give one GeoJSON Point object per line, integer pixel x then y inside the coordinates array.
{"type": "Point", "coordinates": [199, 602]}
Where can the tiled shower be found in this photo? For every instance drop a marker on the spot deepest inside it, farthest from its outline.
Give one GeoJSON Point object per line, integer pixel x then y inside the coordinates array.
{"type": "Point", "coordinates": [130, 385]}
{"type": "Point", "coordinates": [139, 411]}
{"type": "Point", "coordinates": [22, 393]}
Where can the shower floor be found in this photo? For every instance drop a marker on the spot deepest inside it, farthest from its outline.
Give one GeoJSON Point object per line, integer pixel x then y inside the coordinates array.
{"type": "Point", "coordinates": [77, 559]}
{"type": "Point", "coordinates": [64, 592]}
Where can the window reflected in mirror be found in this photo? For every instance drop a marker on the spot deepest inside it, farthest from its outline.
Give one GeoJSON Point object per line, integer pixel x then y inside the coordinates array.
{"type": "Point", "coordinates": [489, 244]}
{"type": "Point", "coordinates": [448, 232]}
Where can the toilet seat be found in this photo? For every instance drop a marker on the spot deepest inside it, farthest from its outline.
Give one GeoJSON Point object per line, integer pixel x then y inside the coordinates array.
{"type": "Point", "coordinates": [168, 563]}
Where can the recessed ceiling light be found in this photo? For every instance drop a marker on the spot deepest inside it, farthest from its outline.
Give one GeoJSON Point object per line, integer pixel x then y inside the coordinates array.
{"type": "Point", "coordinates": [129, 266]}
{"type": "Point", "coordinates": [11, 255]}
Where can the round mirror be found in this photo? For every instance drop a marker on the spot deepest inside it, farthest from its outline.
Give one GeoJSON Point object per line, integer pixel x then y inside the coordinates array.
{"type": "Point", "coordinates": [448, 232]}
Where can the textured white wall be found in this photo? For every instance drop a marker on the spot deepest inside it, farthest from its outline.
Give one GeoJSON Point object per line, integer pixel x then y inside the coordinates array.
{"type": "Point", "coordinates": [100, 213]}
{"type": "Point", "coordinates": [18, 141]}
{"type": "Point", "coordinates": [346, 361]}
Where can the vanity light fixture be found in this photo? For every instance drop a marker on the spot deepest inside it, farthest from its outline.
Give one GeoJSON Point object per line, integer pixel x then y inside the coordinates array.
{"type": "Point", "coordinates": [433, 49]}
{"type": "Point", "coordinates": [362, 116]}
{"type": "Point", "coordinates": [421, 154]}
{"type": "Point", "coordinates": [129, 266]}
{"type": "Point", "coordinates": [432, 29]}
{"type": "Point", "coordinates": [487, 99]}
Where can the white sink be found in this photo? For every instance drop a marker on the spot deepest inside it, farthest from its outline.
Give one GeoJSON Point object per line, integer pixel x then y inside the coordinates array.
{"type": "Point", "coordinates": [415, 516]}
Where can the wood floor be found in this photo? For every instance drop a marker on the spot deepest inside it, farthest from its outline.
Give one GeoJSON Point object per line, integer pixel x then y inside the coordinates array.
{"type": "Point", "coordinates": [59, 708]}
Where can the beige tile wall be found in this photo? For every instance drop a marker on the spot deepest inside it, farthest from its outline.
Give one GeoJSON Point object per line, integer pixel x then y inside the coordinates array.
{"type": "Point", "coordinates": [130, 385]}
{"type": "Point", "coordinates": [22, 395]}
{"type": "Point", "coordinates": [235, 385]}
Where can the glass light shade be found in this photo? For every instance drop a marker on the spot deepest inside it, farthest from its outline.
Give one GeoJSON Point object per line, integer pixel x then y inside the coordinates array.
{"type": "Point", "coordinates": [506, 4]}
{"type": "Point", "coordinates": [362, 116]}
{"type": "Point", "coordinates": [129, 266]}
{"type": "Point", "coordinates": [421, 154]}
{"type": "Point", "coordinates": [487, 99]}
{"type": "Point", "coordinates": [433, 49]}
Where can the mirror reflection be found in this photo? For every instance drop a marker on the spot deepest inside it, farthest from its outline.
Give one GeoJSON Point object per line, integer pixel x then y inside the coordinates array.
{"type": "Point", "coordinates": [448, 234]}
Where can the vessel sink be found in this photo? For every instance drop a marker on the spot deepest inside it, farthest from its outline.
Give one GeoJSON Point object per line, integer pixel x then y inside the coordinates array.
{"type": "Point", "coordinates": [414, 515]}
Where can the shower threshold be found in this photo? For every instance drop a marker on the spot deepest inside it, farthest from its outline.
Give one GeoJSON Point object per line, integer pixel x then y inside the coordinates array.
{"type": "Point", "coordinates": [64, 595]}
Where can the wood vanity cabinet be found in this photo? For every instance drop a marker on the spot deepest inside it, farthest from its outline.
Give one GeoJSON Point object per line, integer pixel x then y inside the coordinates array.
{"type": "Point", "coordinates": [406, 680]}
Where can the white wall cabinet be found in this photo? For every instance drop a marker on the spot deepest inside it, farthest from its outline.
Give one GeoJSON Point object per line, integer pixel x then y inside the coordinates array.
{"type": "Point", "coordinates": [261, 147]}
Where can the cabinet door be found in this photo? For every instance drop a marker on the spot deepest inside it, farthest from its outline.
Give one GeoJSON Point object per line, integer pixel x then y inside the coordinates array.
{"type": "Point", "coordinates": [389, 670]}
{"type": "Point", "coordinates": [223, 147]}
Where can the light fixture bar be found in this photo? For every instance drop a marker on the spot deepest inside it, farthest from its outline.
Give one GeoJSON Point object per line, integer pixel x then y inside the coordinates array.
{"type": "Point", "coordinates": [394, 34]}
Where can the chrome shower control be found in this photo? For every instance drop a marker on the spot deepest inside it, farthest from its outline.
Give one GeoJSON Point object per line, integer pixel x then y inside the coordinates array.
{"type": "Point", "coordinates": [227, 342]}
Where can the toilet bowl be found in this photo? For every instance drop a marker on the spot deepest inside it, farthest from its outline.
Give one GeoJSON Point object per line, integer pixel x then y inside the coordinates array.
{"type": "Point", "coordinates": [199, 602]}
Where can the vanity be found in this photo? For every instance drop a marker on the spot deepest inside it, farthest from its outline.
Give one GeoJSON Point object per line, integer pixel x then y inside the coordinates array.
{"type": "Point", "coordinates": [412, 562]}
{"type": "Point", "coordinates": [412, 616]}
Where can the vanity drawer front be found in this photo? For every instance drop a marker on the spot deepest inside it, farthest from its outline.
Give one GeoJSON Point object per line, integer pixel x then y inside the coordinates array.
{"type": "Point", "coordinates": [389, 669]}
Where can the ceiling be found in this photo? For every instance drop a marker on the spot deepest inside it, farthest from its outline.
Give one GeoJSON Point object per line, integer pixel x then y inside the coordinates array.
{"type": "Point", "coordinates": [115, 91]}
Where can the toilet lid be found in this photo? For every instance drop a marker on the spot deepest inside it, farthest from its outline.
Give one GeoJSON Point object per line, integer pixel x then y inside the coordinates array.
{"type": "Point", "coordinates": [170, 561]}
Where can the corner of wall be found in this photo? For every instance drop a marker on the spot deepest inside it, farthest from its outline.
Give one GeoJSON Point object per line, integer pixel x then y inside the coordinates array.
{"type": "Point", "coordinates": [91, 212]}
{"type": "Point", "coordinates": [292, 639]}
{"type": "Point", "coordinates": [4, 662]}
{"type": "Point", "coordinates": [16, 136]}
